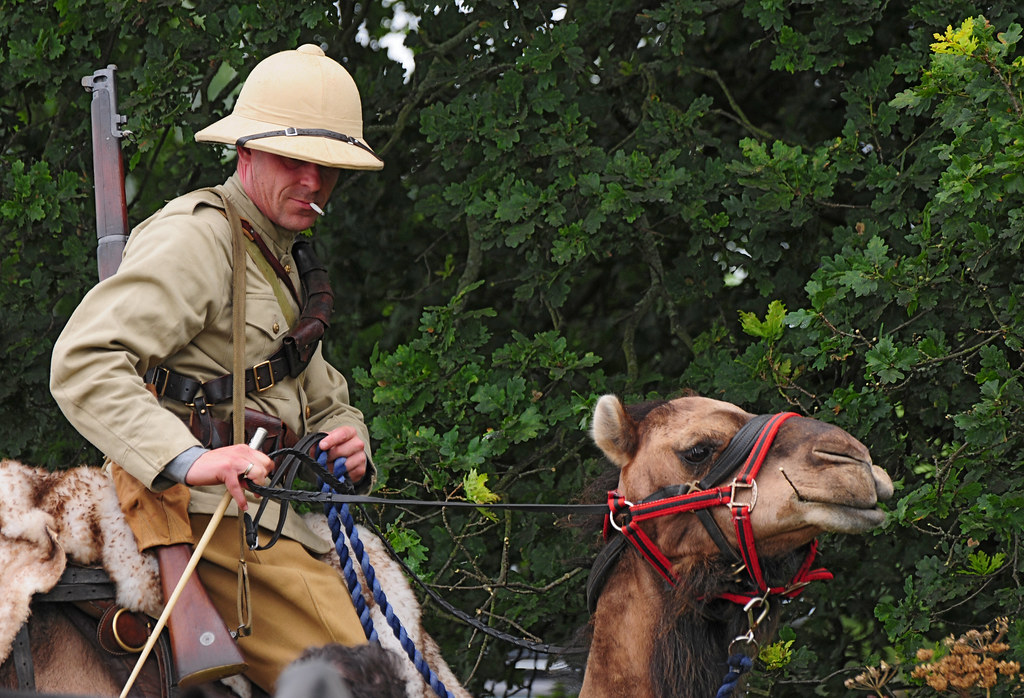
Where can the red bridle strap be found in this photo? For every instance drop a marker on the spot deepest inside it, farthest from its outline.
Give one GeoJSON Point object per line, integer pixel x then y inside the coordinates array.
{"type": "Point", "coordinates": [625, 516]}
{"type": "Point", "coordinates": [741, 512]}
{"type": "Point", "coordinates": [804, 576]}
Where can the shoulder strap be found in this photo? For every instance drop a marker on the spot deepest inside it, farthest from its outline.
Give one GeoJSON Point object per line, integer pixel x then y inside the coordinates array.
{"type": "Point", "coordinates": [237, 322]}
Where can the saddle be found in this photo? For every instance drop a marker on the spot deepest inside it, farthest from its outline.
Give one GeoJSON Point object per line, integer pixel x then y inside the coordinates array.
{"type": "Point", "coordinates": [84, 597]}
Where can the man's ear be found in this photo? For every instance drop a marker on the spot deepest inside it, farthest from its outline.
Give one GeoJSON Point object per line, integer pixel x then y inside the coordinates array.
{"type": "Point", "coordinates": [243, 165]}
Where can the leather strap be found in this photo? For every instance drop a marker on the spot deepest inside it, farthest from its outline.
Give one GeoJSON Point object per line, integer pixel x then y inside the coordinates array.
{"type": "Point", "coordinates": [238, 392]}
{"type": "Point", "coordinates": [258, 378]}
{"type": "Point", "coordinates": [237, 322]}
{"type": "Point", "coordinates": [21, 655]}
{"type": "Point", "coordinates": [118, 630]}
{"type": "Point", "coordinates": [735, 452]}
{"type": "Point", "coordinates": [283, 476]}
{"type": "Point", "coordinates": [272, 259]}
{"type": "Point", "coordinates": [318, 132]}
{"type": "Point", "coordinates": [155, 679]}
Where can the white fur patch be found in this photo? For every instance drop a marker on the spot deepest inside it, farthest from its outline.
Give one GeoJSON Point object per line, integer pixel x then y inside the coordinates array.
{"type": "Point", "coordinates": [48, 519]}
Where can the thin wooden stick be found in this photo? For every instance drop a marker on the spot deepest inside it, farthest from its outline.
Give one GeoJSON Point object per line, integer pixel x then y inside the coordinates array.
{"type": "Point", "coordinates": [211, 528]}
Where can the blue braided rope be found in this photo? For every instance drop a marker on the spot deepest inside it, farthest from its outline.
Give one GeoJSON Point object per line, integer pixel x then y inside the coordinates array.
{"type": "Point", "coordinates": [354, 587]}
{"type": "Point", "coordinates": [738, 665]}
{"type": "Point", "coordinates": [338, 515]}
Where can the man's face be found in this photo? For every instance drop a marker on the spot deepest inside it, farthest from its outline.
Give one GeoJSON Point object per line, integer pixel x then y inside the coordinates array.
{"type": "Point", "coordinates": [282, 188]}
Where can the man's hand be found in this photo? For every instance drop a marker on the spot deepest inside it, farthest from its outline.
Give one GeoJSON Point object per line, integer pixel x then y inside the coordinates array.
{"type": "Point", "coordinates": [228, 465]}
{"type": "Point", "coordinates": [344, 442]}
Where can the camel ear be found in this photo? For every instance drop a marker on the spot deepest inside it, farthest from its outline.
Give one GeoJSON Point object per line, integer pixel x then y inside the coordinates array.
{"type": "Point", "coordinates": [613, 431]}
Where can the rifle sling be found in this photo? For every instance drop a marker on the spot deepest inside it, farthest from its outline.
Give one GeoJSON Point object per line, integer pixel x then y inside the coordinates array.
{"type": "Point", "coordinates": [272, 270]}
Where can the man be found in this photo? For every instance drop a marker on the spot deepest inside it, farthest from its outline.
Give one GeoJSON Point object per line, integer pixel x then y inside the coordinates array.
{"type": "Point", "coordinates": [142, 368]}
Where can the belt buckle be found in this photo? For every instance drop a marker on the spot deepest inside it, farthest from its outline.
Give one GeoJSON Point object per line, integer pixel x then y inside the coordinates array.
{"type": "Point", "coordinates": [270, 376]}
{"type": "Point", "coordinates": [161, 376]}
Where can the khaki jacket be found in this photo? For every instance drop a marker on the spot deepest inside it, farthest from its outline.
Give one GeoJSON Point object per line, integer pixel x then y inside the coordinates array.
{"type": "Point", "coordinates": [170, 304]}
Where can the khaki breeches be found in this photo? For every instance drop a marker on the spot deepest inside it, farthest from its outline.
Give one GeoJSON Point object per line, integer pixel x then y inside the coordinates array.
{"type": "Point", "coordinates": [296, 601]}
{"type": "Point", "coordinates": [156, 518]}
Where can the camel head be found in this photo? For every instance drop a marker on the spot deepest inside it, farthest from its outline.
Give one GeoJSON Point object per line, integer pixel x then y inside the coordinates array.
{"type": "Point", "coordinates": [815, 477]}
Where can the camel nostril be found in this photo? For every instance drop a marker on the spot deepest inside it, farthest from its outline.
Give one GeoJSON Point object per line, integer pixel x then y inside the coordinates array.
{"type": "Point", "coordinates": [843, 457]}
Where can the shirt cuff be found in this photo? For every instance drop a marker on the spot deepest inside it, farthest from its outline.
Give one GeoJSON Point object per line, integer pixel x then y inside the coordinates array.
{"type": "Point", "coordinates": [178, 468]}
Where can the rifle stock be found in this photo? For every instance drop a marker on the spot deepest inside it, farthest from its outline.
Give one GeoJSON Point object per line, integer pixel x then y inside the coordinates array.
{"type": "Point", "coordinates": [201, 644]}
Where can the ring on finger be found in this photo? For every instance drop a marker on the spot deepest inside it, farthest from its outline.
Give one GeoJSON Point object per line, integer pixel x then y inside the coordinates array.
{"type": "Point", "coordinates": [247, 470]}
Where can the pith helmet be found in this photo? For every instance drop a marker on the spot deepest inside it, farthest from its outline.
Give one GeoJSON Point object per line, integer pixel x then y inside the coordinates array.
{"type": "Point", "coordinates": [299, 104]}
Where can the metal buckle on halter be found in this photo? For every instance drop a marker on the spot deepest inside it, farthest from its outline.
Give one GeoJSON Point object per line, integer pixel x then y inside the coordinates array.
{"type": "Point", "coordinates": [746, 638]}
{"type": "Point", "coordinates": [626, 510]}
{"type": "Point", "coordinates": [793, 586]}
{"type": "Point", "coordinates": [737, 485]}
{"type": "Point", "coordinates": [756, 602]}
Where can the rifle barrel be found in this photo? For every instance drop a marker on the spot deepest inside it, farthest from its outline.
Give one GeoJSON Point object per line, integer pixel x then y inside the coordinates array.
{"type": "Point", "coordinates": [108, 170]}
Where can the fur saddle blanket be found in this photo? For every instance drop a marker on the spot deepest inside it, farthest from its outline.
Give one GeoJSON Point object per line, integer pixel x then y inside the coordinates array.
{"type": "Point", "coordinates": [48, 519]}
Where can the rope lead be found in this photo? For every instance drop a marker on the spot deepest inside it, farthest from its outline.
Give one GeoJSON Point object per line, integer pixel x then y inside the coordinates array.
{"type": "Point", "coordinates": [738, 665]}
{"type": "Point", "coordinates": [338, 515]}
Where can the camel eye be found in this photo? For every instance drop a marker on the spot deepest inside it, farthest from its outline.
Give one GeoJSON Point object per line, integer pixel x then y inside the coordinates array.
{"type": "Point", "coordinates": [697, 454]}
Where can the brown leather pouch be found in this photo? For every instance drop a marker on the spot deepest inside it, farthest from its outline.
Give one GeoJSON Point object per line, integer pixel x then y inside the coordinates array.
{"type": "Point", "coordinates": [213, 432]}
{"type": "Point", "coordinates": [279, 434]}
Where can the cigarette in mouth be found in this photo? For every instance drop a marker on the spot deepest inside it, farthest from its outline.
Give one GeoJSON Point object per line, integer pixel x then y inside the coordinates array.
{"type": "Point", "coordinates": [316, 208]}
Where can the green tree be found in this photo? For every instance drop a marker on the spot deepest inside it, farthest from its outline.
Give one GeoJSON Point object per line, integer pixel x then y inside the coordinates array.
{"type": "Point", "coordinates": [788, 205]}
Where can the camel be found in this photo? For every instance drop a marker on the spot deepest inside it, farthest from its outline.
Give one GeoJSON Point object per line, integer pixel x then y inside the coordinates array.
{"type": "Point", "coordinates": [669, 607]}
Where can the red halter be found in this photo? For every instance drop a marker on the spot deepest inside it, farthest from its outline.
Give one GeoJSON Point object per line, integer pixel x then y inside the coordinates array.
{"type": "Point", "coordinates": [624, 516]}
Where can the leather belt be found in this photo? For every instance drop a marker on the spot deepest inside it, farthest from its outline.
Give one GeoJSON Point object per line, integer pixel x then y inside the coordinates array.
{"type": "Point", "coordinates": [262, 376]}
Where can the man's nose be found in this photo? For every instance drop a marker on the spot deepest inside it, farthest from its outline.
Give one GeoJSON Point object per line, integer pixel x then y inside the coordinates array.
{"type": "Point", "coordinates": [311, 176]}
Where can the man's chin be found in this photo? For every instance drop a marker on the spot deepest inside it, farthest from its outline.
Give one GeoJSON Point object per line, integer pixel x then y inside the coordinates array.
{"type": "Point", "coordinates": [297, 222]}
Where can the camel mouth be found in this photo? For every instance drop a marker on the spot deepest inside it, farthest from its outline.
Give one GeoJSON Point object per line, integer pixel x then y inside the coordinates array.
{"type": "Point", "coordinates": [844, 518]}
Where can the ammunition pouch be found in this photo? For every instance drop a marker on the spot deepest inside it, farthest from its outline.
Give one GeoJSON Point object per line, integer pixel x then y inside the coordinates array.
{"type": "Point", "coordinates": [214, 433]}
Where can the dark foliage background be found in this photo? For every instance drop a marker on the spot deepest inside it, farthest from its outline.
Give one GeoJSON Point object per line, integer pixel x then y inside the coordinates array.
{"type": "Point", "coordinates": [788, 205]}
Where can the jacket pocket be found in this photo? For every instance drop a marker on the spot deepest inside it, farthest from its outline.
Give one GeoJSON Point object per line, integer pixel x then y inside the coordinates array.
{"type": "Point", "coordinates": [265, 327]}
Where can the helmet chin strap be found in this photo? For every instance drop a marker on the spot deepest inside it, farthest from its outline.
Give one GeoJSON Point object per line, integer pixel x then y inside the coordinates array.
{"type": "Point", "coordinates": [316, 132]}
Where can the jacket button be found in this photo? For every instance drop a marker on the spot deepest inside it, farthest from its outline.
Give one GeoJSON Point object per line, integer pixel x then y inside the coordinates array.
{"type": "Point", "coordinates": [276, 328]}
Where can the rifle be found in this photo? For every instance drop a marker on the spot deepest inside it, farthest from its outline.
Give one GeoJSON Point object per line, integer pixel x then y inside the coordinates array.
{"type": "Point", "coordinates": [202, 647]}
